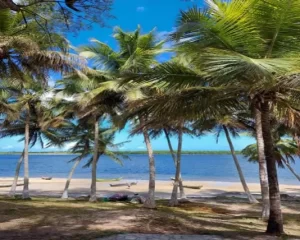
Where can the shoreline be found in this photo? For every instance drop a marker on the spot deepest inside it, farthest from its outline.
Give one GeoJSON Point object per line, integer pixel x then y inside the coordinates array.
{"type": "Point", "coordinates": [81, 187]}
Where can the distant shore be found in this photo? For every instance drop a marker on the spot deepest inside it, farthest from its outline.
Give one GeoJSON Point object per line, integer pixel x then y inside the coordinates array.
{"type": "Point", "coordinates": [163, 152]}
{"type": "Point", "coordinates": [80, 187]}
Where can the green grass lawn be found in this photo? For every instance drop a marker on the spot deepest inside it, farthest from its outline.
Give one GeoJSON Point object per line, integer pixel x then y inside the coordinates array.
{"type": "Point", "coordinates": [43, 218]}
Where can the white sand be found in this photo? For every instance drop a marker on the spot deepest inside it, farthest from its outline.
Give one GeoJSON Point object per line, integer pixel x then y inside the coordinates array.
{"type": "Point", "coordinates": [54, 187]}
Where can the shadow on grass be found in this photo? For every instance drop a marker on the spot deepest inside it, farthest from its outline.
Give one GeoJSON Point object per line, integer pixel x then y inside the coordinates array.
{"type": "Point", "coordinates": [43, 218]}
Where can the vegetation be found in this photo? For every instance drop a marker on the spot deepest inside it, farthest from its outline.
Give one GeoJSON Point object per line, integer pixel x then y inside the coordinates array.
{"type": "Point", "coordinates": [235, 68]}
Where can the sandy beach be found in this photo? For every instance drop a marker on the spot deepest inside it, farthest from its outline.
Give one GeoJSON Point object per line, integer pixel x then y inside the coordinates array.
{"type": "Point", "coordinates": [79, 187]}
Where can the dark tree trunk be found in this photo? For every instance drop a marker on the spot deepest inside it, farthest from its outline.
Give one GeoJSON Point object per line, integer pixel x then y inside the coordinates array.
{"type": "Point", "coordinates": [26, 158]}
{"type": "Point", "coordinates": [238, 167]}
{"type": "Point", "coordinates": [93, 197]}
{"type": "Point", "coordinates": [174, 197]}
{"type": "Point", "coordinates": [181, 188]}
{"type": "Point", "coordinates": [275, 222]}
{"type": "Point", "coordinates": [263, 176]}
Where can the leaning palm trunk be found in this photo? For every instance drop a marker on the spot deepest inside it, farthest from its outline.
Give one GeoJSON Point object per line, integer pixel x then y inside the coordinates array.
{"type": "Point", "coordinates": [12, 191]}
{"type": "Point", "coordinates": [275, 222]}
{"type": "Point", "coordinates": [263, 176]}
{"type": "Point", "coordinates": [237, 164]}
{"type": "Point", "coordinates": [93, 197]}
{"type": "Point", "coordinates": [291, 169]}
{"type": "Point", "coordinates": [65, 194]}
{"type": "Point", "coordinates": [182, 193]}
{"type": "Point", "coordinates": [174, 198]}
{"type": "Point", "coordinates": [26, 160]}
{"type": "Point", "coordinates": [150, 200]}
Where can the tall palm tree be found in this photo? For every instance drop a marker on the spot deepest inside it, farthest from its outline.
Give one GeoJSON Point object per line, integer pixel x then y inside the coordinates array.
{"type": "Point", "coordinates": [36, 123]}
{"type": "Point", "coordinates": [230, 125]}
{"type": "Point", "coordinates": [157, 127]}
{"type": "Point", "coordinates": [90, 107]}
{"type": "Point", "coordinates": [246, 48]}
{"type": "Point", "coordinates": [82, 135]}
{"type": "Point", "coordinates": [136, 54]}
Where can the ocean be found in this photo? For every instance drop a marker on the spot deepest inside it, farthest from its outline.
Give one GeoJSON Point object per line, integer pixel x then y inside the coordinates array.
{"type": "Point", "coordinates": [194, 167]}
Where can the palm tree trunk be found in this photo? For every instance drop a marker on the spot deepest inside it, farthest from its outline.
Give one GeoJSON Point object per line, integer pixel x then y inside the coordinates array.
{"type": "Point", "coordinates": [275, 222]}
{"type": "Point", "coordinates": [174, 199]}
{"type": "Point", "coordinates": [65, 194]}
{"type": "Point", "coordinates": [93, 197]}
{"type": "Point", "coordinates": [238, 167]}
{"type": "Point", "coordinates": [26, 159]}
{"type": "Point", "coordinates": [291, 169]}
{"type": "Point", "coordinates": [12, 191]}
{"type": "Point", "coordinates": [181, 189]}
{"type": "Point", "coordinates": [150, 200]}
{"type": "Point", "coordinates": [263, 176]}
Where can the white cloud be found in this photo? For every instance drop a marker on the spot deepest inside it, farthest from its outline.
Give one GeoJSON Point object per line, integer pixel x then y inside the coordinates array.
{"type": "Point", "coordinates": [51, 83]}
{"type": "Point", "coordinates": [141, 147]}
{"type": "Point", "coordinates": [140, 9]}
{"type": "Point", "coordinates": [7, 147]}
{"type": "Point", "coordinates": [164, 35]}
{"type": "Point", "coordinates": [67, 146]}
{"type": "Point", "coordinates": [123, 148]}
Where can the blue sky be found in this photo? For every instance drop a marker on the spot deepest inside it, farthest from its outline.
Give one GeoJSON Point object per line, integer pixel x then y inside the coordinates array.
{"type": "Point", "coordinates": [149, 14]}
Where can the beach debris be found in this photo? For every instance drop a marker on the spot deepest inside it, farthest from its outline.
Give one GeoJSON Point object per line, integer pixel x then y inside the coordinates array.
{"type": "Point", "coordinates": [137, 199]}
{"type": "Point", "coordinates": [109, 179]}
{"type": "Point", "coordinates": [9, 185]}
{"type": "Point", "coordinates": [118, 197]}
{"type": "Point", "coordinates": [46, 178]}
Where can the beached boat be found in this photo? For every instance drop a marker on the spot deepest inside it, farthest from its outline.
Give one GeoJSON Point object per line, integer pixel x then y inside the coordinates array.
{"type": "Point", "coordinates": [46, 178]}
{"type": "Point", "coordinates": [109, 179]}
{"type": "Point", "coordinates": [189, 186]}
{"type": "Point", "coordinates": [193, 187]}
{"type": "Point", "coordinates": [9, 185]}
{"type": "Point", "coordinates": [128, 184]}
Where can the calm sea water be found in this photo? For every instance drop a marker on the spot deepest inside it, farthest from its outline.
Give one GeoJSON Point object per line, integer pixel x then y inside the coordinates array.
{"type": "Point", "coordinates": [194, 167]}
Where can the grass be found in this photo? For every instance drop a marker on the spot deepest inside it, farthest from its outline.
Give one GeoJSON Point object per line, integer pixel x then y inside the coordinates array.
{"type": "Point", "coordinates": [49, 218]}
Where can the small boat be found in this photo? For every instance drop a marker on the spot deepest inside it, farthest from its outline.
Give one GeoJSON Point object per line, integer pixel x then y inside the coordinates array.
{"type": "Point", "coordinates": [128, 184]}
{"type": "Point", "coordinates": [46, 178]}
{"type": "Point", "coordinates": [9, 185]}
{"type": "Point", "coordinates": [109, 179]}
{"type": "Point", "coordinates": [192, 187]}
{"type": "Point", "coordinates": [189, 186]}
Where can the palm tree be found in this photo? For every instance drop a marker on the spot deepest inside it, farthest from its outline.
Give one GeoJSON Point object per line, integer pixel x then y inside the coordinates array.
{"type": "Point", "coordinates": [263, 177]}
{"type": "Point", "coordinates": [246, 48]}
{"type": "Point", "coordinates": [36, 122]}
{"type": "Point", "coordinates": [158, 127]}
{"type": "Point", "coordinates": [285, 152]}
{"type": "Point", "coordinates": [136, 54]}
{"type": "Point", "coordinates": [25, 50]}
{"type": "Point", "coordinates": [82, 136]}
{"type": "Point", "coordinates": [90, 107]}
{"type": "Point", "coordinates": [230, 125]}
